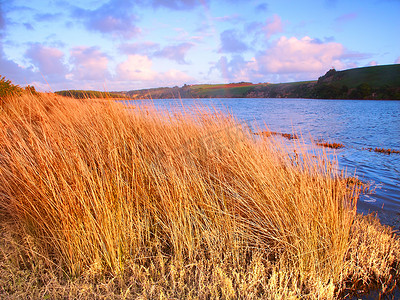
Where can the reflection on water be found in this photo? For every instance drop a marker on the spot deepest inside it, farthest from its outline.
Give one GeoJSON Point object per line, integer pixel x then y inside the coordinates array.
{"type": "Point", "coordinates": [357, 124]}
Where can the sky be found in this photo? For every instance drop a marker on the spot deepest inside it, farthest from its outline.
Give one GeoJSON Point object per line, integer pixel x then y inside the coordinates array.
{"type": "Point", "coordinates": [121, 45]}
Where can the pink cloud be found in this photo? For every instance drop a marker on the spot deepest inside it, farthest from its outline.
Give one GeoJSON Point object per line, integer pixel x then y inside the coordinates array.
{"type": "Point", "coordinates": [292, 55]}
{"type": "Point", "coordinates": [48, 60]}
{"type": "Point", "coordinates": [88, 64]}
{"type": "Point", "coordinates": [287, 59]}
{"type": "Point", "coordinates": [397, 60]}
{"type": "Point", "coordinates": [274, 25]}
{"type": "Point", "coordinates": [174, 77]}
{"type": "Point", "coordinates": [139, 70]}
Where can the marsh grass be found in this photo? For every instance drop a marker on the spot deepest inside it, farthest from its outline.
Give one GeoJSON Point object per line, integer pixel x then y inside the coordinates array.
{"type": "Point", "coordinates": [97, 200]}
{"type": "Point", "coordinates": [383, 150]}
{"type": "Point", "coordinates": [330, 145]}
{"type": "Point", "coordinates": [289, 136]}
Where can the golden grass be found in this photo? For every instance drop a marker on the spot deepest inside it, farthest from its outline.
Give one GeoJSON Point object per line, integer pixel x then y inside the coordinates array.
{"type": "Point", "coordinates": [97, 200]}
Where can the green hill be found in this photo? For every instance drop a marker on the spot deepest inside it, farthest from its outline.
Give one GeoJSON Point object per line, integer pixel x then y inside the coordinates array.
{"type": "Point", "coordinates": [375, 77]}
{"type": "Point", "coordinates": [377, 82]}
{"type": "Point", "coordinates": [232, 90]}
{"type": "Point", "coordinates": [87, 94]}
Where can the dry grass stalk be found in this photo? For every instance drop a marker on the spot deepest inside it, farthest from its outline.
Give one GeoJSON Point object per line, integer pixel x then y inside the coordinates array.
{"type": "Point", "coordinates": [178, 204]}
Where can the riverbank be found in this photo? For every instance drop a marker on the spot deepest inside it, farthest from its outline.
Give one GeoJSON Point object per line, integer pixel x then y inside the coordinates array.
{"type": "Point", "coordinates": [101, 201]}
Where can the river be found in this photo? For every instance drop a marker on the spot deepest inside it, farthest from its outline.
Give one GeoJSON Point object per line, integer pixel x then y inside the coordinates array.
{"type": "Point", "coordinates": [357, 124]}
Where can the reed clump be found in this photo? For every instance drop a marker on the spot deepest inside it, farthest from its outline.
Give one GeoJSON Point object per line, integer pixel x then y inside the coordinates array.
{"type": "Point", "coordinates": [101, 200]}
{"type": "Point", "coordinates": [330, 145]}
{"type": "Point", "coordinates": [268, 133]}
{"type": "Point", "coordinates": [383, 150]}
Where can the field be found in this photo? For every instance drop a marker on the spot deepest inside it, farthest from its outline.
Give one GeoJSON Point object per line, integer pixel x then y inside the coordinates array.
{"type": "Point", "coordinates": [233, 90]}
{"type": "Point", "coordinates": [103, 200]}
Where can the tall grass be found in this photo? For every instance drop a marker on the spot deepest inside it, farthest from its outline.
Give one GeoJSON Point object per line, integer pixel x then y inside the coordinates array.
{"type": "Point", "coordinates": [182, 204]}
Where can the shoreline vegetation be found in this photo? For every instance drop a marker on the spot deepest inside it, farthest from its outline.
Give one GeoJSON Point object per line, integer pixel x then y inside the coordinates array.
{"type": "Point", "coordinates": [383, 150]}
{"type": "Point", "coordinates": [100, 201]}
{"type": "Point", "coordinates": [372, 83]}
{"type": "Point", "coordinates": [289, 136]}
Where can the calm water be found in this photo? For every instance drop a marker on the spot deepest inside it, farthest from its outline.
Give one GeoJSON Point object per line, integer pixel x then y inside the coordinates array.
{"type": "Point", "coordinates": [357, 124]}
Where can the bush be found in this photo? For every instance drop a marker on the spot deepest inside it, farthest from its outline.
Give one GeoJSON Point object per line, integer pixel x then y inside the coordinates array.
{"type": "Point", "coordinates": [7, 88]}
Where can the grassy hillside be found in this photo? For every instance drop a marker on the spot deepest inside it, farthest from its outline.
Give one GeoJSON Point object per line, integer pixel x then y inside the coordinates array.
{"type": "Point", "coordinates": [375, 77]}
{"type": "Point", "coordinates": [233, 90]}
{"type": "Point", "coordinates": [100, 201]}
{"type": "Point", "coordinates": [378, 82]}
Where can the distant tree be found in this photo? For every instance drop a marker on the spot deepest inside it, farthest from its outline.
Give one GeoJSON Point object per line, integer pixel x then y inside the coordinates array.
{"type": "Point", "coordinates": [327, 91]}
{"type": "Point", "coordinates": [355, 94]}
{"type": "Point", "coordinates": [364, 90]}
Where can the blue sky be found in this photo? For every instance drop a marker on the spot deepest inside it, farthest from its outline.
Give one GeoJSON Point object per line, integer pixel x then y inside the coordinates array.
{"type": "Point", "coordinates": [124, 45]}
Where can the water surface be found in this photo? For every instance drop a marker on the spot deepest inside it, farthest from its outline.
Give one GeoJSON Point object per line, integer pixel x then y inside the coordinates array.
{"type": "Point", "coordinates": [357, 124]}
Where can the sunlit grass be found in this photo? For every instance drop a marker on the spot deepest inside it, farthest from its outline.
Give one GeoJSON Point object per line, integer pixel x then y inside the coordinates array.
{"type": "Point", "coordinates": [100, 199]}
